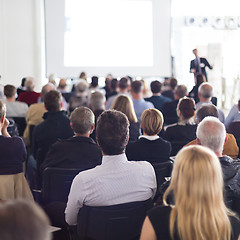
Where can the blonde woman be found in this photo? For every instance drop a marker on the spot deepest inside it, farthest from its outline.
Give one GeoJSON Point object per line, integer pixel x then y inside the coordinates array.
{"type": "Point", "coordinates": [150, 147]}
{"type": "Point", "coordinates": [199, 212]}
{"type": "Point", "coordinates": [124, 104]}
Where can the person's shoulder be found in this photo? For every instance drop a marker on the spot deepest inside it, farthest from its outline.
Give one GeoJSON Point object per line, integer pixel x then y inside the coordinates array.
{"type": "Point", "coordinates": [159, 212]}
{"type": "Point", "coordinates": [149, 104]}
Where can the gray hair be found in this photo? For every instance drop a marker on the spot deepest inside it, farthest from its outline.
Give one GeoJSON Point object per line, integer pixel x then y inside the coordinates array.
{"type": "Point", "coordinates": [205, 90]}
{"type": "Point", "coordinates": [181, 91]}
{"type": "Point", "coordinates": [97, 101]}
{"type": "Point", "coordinates": [47, 88]}
{"type": "Point", "coordinates": [211, 133]}
{"type": "Point", "coordinates": [82, 86]}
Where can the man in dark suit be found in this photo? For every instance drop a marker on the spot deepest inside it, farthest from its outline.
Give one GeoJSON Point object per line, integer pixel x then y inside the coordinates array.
{"type": "Point", "coordinates": [198, 64]}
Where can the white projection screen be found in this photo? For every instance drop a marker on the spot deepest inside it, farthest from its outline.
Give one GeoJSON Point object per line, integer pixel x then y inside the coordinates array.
{"type": "Point", "coordinates": [122, 37]}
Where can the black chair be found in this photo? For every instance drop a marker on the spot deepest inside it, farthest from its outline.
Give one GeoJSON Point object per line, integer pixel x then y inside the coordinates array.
{"type": "Point", "coordinates": [21, 124]}
{"type": "Point", "coordinates": [116, 222]}
{"type": "Point", "coordinates": [56, 184]}
{"type": "Point", "coordinates": [177, 146]}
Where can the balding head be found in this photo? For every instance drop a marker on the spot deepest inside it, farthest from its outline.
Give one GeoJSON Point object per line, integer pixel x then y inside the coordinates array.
{"type": "Point", "coordinates": [29, 84]}
{"type": "Point", "coordinates": [205, 92]}
{"type": "Point", "coordinates": [206, 110]}
{"type": "Point", "coordinates": [180, 91]}
{"type": "Point", "coordinates": [47, 88]}
{"type": "Point", "coordinates": [211, 133]}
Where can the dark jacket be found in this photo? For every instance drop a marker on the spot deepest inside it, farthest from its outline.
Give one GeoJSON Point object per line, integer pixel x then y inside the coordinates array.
{"type": "Point", "coordinates": [55, 126]}
{"type": "Point", "coordinates": [155, 151]}
{"type": "Point", "coordinates": [134, 131]}
{"type": "Point", "coordinates": [169, 112]}
{"type": "Point", "coordinates": [158, 101]}
{"type": "Point", "coordinates": [74, 152]}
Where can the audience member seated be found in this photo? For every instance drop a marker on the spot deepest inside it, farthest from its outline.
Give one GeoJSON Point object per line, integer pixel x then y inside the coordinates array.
{"type": "Point", "coordinates": [23, 220]}
{"type": "Point", "coordinates": [124, 87]}
{"type": "Point", "coordinates": [169, 93]}
{"type": "Point", "coordinates": [56, 125]}
{"type": "Point", "coordinates": [199, 79]}
{"type": "Point", "coordinates": [29, 96]}
{"type": "Point", "coordinates": [185, 129]}
{"type": "Point", "coordinates": [116, 180]}
{"type": "Point", "coordinates": [169, 109]}
{"type": "Point", "coordinates": [199, 211]}
{"type": "Point", "coordinates": [97, 104]}
{"type": "Point", "coordinates": [14, 108]}
{"type": "Point", "coordinates": [94, 84]}
{"type": "Point", "coordinates": [157, 99]}
{"type": "Point", "coordinates": [138, 102]}
{"type": "Point", "coordinates": [13, 151]}
{"type": "Point", "coordinates": [234, 115]}
{"type": "Point", "coordinates": [62, 85]}
{"type": "Point", "coordinates": [79, 151]}
{"type": "Point", "coordinates": [230, 147]}
{"type": "Point", "coordinates": [22, 88]}
{"type": "Point", "coordinates": [211, 133]}
{"type": "Point", "coordinates": [205, 93]}
{"type": "Point", "coordinates": [113, 87]}
{"type": "Point", "coordinates": [124, 104]}
{"type": "Point", "coordinates": [80, 96]}
{"type": "Point", "coordinates": [150, 147]}
{"type": "Point", "coordinates": [107, 87]}
{"type": "Point", "coordinates": [34, 114]}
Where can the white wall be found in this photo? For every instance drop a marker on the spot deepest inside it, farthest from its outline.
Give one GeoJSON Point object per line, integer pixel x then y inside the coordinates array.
{"type": "Point", "coordinates": [21, 45]}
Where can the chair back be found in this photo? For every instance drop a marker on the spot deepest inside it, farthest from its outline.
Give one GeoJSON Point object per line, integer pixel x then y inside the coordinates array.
{"type": "Point", "coordinates": [116, 222]}
{"type": "Point", "coordinates": [57, 183]}
{"type": "Point", "coordinates": [21, 124]}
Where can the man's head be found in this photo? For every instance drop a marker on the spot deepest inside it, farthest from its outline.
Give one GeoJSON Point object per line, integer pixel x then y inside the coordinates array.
{"type": "Point", "coordinates": [205, 92]}
{"type": "Point", "coordinates": [136, 89]}
{"type": "Point", "coordinates": [195, 52]}
{"type": "Point", "coordinates": [211, 133]}
{"type": "Point", "coordinates": [47, 88]}
{"type": "Point", "coordinates": [156, 87]}
{"type": "Point", "coordinates": [9, 91]}
{"type": "Point", "coordinates": [112, 132]}
{"type": "Point", "coordinates": [23, 220]}
{"type": "Point", "coordinates": [180, 92]}
{"type": "Point", "coordinates": [82, 121]}
{"type": "Point", "coordinates": [94, 82]}
{"type": "Point", "coordinates": [124, 84]}
{"type": "Point", "coordinates": [82, 86]}
{"type": "Point", "coordinates": [173, 83]}
{"type": "Point", "coordinates": [206, 110]}
{"type": "Point", "coordinates": [97, 101]}
{"type": "Point", "coordinates": [29, 84]}
{"type": "Point", "coordinates": [53, 101]}
{"type": "Point", "coordinates": [62, 83]}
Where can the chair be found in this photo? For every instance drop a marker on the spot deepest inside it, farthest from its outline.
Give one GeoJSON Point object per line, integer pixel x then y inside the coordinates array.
{"type": "Point", "coordinates": [14, 186]}
{"type": "Point", "coordinates": [116, 222]}
{"type": "Point", "coordinates": [21, 124]}
{"type": "Point", "coordinates": [56, 184]}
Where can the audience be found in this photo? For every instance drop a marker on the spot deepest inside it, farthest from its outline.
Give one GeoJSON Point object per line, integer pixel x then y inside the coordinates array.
{"type": "Point", "coordinates": [79, 151]}
{"type": "Point", "coordinates": [150, 147]}
{"type": "Point", "coordinates": [157, 99]}
{"type": "Point", "coordinates": [116, 180]}
{"type": "Point", "coordinates": [169, 109]}
{"type": "Point", "coordinates": [199, 79]}
{"type": "Point", "coordinates": [211, 133]}
{"type": "Point", "coordinates": [56, 125]}
{"type": "Point", "coordinates": [185, 129]}
{"type": "Point", "coordinates": [199, 211]}
{"type": "Point", "coordinates": [234, 115]}
{"type": "Point", "coordinates": [113, 87]}
{"type": "Point", "coordinates": [94, 84]}
{"type": "Point", "coordinates": [138, 102]}
{"type": "Point", "coordinates": [29, 96]}
{"type": "Point", "coordinates": [124, 104]}
{"type": "Point", "coordinates": [23, 220]}
{"type": "Point", "coordinates": [230, 147]}
{"type": "Point", "coordinates": [14, 108]}
{"type": "Point", "coordinates": [169, 93]}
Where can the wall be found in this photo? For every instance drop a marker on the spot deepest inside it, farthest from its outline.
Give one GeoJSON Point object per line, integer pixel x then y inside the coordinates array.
{"type": "Point", "coordinates": [21, 41]}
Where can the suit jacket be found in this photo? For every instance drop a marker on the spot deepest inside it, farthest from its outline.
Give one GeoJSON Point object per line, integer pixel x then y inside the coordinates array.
{"type": "Point", "coordinates": [155, 151]}
{"type": "Point", "coordinates": [169, 112]}
{"type": "Point", "coordinates": [74, 152]}
{"type": "Point", "coordinates": [203, 63]}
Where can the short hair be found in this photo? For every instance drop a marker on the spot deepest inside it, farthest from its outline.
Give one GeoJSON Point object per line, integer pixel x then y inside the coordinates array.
{"type": "Point", "coordinates": [151, 121]}
{"type": "Point", "coordinates": [181, 91]}
{"type": "Point", "coordinates": [62, 83]}
{"type": "Point", "coordinates": [82, 119]}
{"type": "Point", "coordinates": [206, 110]}
{"type": "Point", "coordinates": [112, 132]}
{"type": "Point", "coordinates": [94, 82]}
{"type": "Point", "coordinates": [123, 83]}
{"type": "Point", "coordinates": [97, 100]}
{"type": "Point", "coordinates": [29, 84]}
{"type": "Point", "coordinates": [52, 101]}
{"type": "Point", "coordinates": [9, 91]}
{"type": "Point", "coordinates": [187, 107]}
{"type": "Point", "coordinates": [114, 84]}
{"type": "Point", "coordinates": [23, 220]}
{"type": "Point", "coordinates": [47, 88]}
{"type": "Point", "coordinates": [124, 104]}
{"type": "Point", "coordinates": [82, 86]}
{"type": "Point", "coordinates": [205, 90]}
{"type": "Point", "coordinates": [211, 133]}
{"type": "Point", "coordinates": [173, 83]}
{"type": "Point", "coordinates": [2, 109]}
{"type": "Point", "coordinates": [137, 86]}
{"type": "Point", "coordinates": [156, 86]}
{"type": "Point", "coordinates": [82, 75]}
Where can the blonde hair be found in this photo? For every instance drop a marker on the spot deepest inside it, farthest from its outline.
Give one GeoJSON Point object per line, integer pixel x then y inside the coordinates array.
{"type": "Point", "coordinates": [124, 104]}
{"type": "Point", "coordinates": [197, 183]}
{"type": "Point", "coordinates": [151, 121]}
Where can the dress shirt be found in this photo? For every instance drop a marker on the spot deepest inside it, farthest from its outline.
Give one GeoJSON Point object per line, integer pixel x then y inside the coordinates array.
{"type": "Point", "coordinates": [115, 181]}
{"type": "Point", "coordinates": [140, 105]}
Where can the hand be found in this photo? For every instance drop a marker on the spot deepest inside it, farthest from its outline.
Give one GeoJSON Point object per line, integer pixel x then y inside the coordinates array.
{"type": "Point", "coordinates": [5, 124]}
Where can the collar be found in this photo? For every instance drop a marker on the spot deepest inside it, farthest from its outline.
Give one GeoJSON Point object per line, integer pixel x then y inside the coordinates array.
{"type": "Point", "coordinates": [114, 158]}
{"type": "Point", "coordinates": [151, 138]}
{"type": "Point", "coordinates": [54, 114]}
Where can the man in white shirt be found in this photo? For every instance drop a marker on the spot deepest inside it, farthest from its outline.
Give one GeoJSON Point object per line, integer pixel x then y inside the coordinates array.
{"type": "Point", "coordinates": [116, 180]}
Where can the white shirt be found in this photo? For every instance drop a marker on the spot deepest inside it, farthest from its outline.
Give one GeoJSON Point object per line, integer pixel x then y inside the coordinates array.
{"type": "Point", "coordinates": [151, 138]}
{"type": "Point", "coordinates": [16, 109]}
{"type": "Point", "coordinates": [115, 181]}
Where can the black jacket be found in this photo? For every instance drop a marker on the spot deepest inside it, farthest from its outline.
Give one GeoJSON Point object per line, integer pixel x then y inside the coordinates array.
{"type": "Point", "coordinates": [75, 152]}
